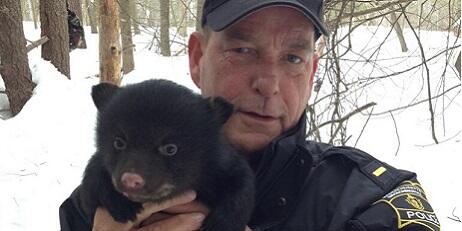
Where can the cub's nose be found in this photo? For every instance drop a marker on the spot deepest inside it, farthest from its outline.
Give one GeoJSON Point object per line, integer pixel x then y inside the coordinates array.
{"type": "Point", "coordinates": [132, 181]}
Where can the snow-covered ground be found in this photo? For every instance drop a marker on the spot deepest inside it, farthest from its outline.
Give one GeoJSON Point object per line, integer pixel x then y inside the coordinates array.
{"type": "Point", "coordinates": [44, 149]}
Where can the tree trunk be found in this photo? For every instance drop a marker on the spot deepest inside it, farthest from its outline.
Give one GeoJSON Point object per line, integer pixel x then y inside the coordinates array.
{"type": "Point", "coordinates": [126, 34]}
{"type": "Point", "coordinates": [53, 19]}
{"type": "Point", "coordinates": [34, 10]}
{"type": "Point", "coordinates": [134, 16]}
{"type": "Point", "coordinates": [91, 10]}
{"type": "Point", "coordinates": [109, 42]}
{"type": "Point", "coordinates": [164, 27]}
{"type": "Point", "coordinates": [457, 63]}
{"type": "Point", "coordinates": [153, 13]}
{"type": "Point", "coordinates": [14, 66]}
{"type": "Point", "coordinates": [399, 31]}
{"type": "Point", "coordinates": [200, 4]}
{"type": "Point", "coordinates": [183, 25]}
{"type": "Point", "coordinates": [76, 7]}
{"type": "Point", "coordinates": [24, 14]}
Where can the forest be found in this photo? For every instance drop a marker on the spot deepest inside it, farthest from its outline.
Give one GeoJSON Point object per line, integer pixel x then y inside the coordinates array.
{"type": "Point", "coordinates": [168, 23]}
{"type": "Point", "coordinates": [388, 82]}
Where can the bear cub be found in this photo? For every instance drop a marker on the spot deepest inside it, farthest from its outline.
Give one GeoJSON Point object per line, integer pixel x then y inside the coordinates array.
{"type": "Point", "coordinates": [156, 140]}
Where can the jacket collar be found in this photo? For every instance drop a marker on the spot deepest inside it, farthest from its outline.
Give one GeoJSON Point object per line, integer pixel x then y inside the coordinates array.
{"type": "Point", "coordinates": [277, 155]}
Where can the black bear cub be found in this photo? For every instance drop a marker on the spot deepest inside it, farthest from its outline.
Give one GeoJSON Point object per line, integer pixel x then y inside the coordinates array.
{"type": "Point", "coordinates": [157, 139]}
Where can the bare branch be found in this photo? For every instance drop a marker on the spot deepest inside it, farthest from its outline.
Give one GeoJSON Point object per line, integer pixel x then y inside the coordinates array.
{"type": "Point", "coordinates": [364, 126]}
{"type": "Point", "coordinates": [37, 43]}
{"type": "Point", "coordinates": [418, 102]}
{"type": "Point", "coordinates": [422, 53]}
{"type": "Point", "coordinates": [397, 134]}
{"type": "Point", "coordinates": [441, 141]}
{"type": "Point", "coordinates": [454, 217]}
{"type": "Point", "coordinates": [375, 9]}
{"type": "Point", "coordinates": [346, 117]}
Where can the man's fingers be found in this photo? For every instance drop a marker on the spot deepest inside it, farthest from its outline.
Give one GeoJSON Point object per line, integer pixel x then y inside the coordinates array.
{"type": "Point", "coordinates": [155, 217]}
{"type": "Point", "coordinates": [150, 208]}
{"type": "Point", "coordinates": [104, 222]}
{"type": "Point", "coordinates": [181, 222]}
{"type": "Point", "coordinates": [191, 207]}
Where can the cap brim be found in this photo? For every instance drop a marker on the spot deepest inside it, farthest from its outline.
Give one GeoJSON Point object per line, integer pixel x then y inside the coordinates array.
{"type": "Point", "coordinates": [232, 11]}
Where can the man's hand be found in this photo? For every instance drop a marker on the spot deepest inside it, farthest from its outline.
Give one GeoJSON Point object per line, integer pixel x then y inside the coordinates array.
{"type": "Point", "coordinates": [177, 214]}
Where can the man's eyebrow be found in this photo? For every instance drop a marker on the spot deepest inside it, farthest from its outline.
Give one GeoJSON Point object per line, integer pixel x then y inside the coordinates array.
{"type": "Point", "coordinates": [239, 34]}
{"type": "Point", "coordinates": [301, 45]}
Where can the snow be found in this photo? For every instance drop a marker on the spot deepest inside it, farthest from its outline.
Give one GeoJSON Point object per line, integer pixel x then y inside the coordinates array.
{"type": "Point", "coordinates": [45, 148]}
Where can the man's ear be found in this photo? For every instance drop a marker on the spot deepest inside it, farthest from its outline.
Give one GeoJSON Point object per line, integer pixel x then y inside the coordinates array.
{"type": "Point", "coordinates": [221, 108]}
{"type": "Point", "coordinates": [195, 45]}
{"type": "Point", "coordinates": [102, 93]}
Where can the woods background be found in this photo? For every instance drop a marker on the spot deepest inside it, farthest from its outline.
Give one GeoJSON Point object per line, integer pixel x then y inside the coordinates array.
{"type": "Point", "coordinates": [168, 23]}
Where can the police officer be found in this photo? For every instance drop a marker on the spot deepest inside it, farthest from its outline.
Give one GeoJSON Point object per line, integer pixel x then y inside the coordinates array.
{"type": "Point", "coordinates": [259, 55]}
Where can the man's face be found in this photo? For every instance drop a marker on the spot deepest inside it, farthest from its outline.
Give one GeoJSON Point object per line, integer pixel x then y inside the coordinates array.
{"type": "Point", "coordinates": [264, 65]}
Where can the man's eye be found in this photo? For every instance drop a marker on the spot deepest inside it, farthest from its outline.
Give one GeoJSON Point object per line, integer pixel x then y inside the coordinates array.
{"type": "Point", "coordinates": [241, 50]}
{"type": "Point", "coordinates": [294, 59]}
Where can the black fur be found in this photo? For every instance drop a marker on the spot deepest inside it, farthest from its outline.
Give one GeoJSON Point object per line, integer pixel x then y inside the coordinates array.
{"type": "Point", "coordinates": [142, 117]}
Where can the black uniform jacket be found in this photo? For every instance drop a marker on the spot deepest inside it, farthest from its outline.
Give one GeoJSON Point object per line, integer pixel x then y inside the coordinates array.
{"type": "Point", "coordinates": [308, 186]}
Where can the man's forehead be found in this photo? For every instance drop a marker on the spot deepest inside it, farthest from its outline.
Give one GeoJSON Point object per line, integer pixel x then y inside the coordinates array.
{"type": "Point", "coordinates": [294, 24]}
{"type": "Point", "coordinates": [294, 38]}
{"type": "Point", "coordinates": [299, 39]}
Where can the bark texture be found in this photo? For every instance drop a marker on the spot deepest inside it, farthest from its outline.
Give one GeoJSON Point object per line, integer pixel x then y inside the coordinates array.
{"type": "Point", "coordinates": [164, 27]}
{"type": "Point", "coordinates": [53, 19]}
{"type": "Point", "coordinates": [126, 34]}
{"type": "Point", "coordinates": [14, 65]}
{"type": "Point", "coordinates": [109, 42]}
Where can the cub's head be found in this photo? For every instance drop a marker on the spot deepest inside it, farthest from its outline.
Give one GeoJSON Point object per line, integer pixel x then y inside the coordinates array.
{"type": "Point", "coordinates": [156, 136]}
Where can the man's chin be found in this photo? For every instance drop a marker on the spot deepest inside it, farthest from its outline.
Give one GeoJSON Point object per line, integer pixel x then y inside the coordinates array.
{"type": "Point", "coordinates": [249, 142]}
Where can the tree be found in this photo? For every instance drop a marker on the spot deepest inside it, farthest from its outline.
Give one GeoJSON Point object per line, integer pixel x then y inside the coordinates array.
{"type": "Point", "coordinates": [200, 4]}
{"type": "Point", "coordinates": [134, 16]}
{"type": "Point", "coordinates": [164, 27]}
{"type": "Point", "coordinates": [180, 16]}
{"type": "Point", "coordinates": [153, 12]}
{"type": "Point", "coordinates": [109, 42]}
{"type": "Point", "coordinates": [34, 10]}
{"type": "Point", "coordinates": [76, 7]}
{"type": "Point", "coordinates": [91, 10]}
{"type": "Point", "coordinates": [126, 34]}
{"type": "Point", "coordinates": [14, 66]}
{"type": "Point", "coordinates": [338, 100]}
{"type": "Point", "coordinates": [53, 18]}
{"type": "Point", "coordinates": [399, 32]}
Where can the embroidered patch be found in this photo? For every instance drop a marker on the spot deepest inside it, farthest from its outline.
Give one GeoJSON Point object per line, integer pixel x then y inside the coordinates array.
{"type": "Point", "coordinates": [410, 204]}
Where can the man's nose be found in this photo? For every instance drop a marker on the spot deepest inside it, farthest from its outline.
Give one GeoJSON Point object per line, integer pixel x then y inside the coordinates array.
{"type": "Point", "coordinates": [266, 82]}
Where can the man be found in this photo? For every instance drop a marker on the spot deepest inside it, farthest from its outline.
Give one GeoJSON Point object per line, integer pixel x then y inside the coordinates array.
{"type": "Point", "coordinates": [259, 55]}
{"type": "Point", "coordinates": [76, 32]}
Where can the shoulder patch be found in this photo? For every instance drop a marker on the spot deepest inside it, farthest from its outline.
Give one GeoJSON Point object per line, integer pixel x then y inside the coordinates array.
{"type": "Point", "coordinates": [410, 204]}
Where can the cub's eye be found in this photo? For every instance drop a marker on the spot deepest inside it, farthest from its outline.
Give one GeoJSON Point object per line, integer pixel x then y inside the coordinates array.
{"type": "Point", "coordinates": [119, 143]}
{"type": "Point", "coordinates": [168, 149]}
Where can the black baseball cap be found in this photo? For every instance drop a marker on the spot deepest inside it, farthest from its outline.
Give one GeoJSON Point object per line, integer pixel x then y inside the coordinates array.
{"type": "Point", "coordinates": [219, 14]}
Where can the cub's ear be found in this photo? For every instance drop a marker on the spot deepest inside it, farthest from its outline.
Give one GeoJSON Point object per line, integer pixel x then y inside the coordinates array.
{"type": "Point", "coordinates": [221, 108]}
{"type": "Point", "coordinates": [102, 93]}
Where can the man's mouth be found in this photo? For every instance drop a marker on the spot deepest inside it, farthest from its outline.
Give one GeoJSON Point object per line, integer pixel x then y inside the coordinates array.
{"type": "Point", "coordinates": [257, 116]}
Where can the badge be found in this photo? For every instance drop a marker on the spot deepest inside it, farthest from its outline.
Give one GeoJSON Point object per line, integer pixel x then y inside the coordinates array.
{"type": "Point", "coordinates": [410, 204]}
